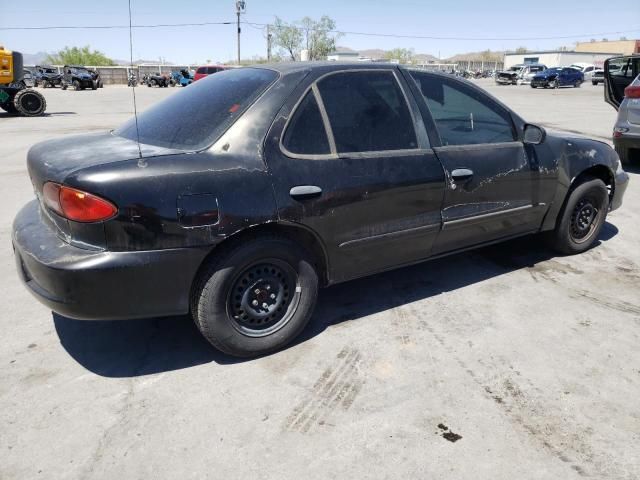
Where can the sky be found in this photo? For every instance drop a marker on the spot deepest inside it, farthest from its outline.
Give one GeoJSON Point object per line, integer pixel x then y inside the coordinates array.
{"type": "Point", "coordinates": [474, 19]}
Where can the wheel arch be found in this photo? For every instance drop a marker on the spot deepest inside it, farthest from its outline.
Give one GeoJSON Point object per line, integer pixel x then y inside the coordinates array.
{"type": "Point", "coordinates": [294, 232]}
{"type": "Point", "coordinates": [578, 175]}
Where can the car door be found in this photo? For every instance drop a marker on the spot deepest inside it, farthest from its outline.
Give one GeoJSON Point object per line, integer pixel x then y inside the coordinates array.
{"type": "Point", "coordinates": [619, 72]}
{"type": "Point", "coordinates": [491, 180]}
{"type": "Point", "coordinates": [353, 164]}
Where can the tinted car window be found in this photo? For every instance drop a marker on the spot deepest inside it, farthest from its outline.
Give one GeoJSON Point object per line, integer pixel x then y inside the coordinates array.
{"type": "Point", "coordinates": [305, 133]}
{"type": "Point", "coordinates": [367, 112]}
{"type": "Point", "coordinates": [205, 109]}
{"type": "Point", "coordinates": [462, 115]}
{"type": "Point", "coordinates": [211, 70]}
{"type": "Point", "coordinates": [201, 70]}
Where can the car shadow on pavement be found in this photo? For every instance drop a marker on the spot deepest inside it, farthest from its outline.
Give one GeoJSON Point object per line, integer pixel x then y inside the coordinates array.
{"type": "Point", "coordinates": [130, 348]}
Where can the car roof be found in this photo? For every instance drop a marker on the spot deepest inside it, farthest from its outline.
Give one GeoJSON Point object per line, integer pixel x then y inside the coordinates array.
{"type": "Point", "coordinates": [291, 67]}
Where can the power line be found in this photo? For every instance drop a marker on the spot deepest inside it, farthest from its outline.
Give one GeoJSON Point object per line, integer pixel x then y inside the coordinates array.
{"type": "Point", "coordinates": [431, 37]}
{"type": "Point", "coordinates": [110, 27]}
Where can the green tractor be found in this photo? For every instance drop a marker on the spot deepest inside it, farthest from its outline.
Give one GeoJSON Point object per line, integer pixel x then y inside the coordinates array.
{"type": "Point", "coordinates": [15, 97]}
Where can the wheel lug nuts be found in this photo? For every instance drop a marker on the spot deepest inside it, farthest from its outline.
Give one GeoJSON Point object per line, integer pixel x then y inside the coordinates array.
{"type": "Point", "coordinates": [272, 296]}
{"type": "Point", "coordinates": [254, 303]}
{"type": "Point", "coordinates": [264, 305]}
{"type": "Point", "coordinates": [257, 291]}
{"type": "Point", "coordinates": [268, 287]}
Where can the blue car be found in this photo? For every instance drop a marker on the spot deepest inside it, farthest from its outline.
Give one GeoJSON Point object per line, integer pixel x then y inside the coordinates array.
{"type": "Point", "coordinates": [558, 77]}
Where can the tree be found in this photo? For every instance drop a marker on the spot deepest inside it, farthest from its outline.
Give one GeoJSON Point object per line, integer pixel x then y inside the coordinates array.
{"type": "Point", "coordinates": [317, 37]}
{"type": "Point", "coordinates": [403, 55]}
{"type": "Point", "coordinates": [79, 56]}
{"type": "Point", "coordinates": [521, 50]}
{"type": "Point", "coordinates": [320, 38]}
{"type": "Point", "coordinates": [288, 37]}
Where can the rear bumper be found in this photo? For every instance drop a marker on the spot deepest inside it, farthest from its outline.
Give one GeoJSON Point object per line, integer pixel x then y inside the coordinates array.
{"type": "Point", "coordinates": [626, 141]}
{"type": "Point", "coordinates": [101, 285]}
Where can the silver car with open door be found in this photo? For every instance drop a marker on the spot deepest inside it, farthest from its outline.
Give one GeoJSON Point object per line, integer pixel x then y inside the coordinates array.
{"type": "Point", "coordinates": [622, 91]}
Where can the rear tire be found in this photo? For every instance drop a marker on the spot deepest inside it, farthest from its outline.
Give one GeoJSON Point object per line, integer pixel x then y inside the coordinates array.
{"type": "Point", "coordinates": [256, 297]}
{"type": "Point", "coordinates": [594, 83]}
{"type": "Point", "coordinates": [76, 85]}
{"type": "Point", "coordinates": [582, 217]}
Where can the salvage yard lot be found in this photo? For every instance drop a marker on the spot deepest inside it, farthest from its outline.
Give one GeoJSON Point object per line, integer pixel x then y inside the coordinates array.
{"type": "Point", "coordinates": [530, 357]}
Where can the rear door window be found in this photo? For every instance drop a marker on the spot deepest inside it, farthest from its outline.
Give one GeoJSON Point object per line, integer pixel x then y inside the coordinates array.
{"type": "Point", "coordinates": [462, 115]}
{"type": "Point", "coordinates": [367, 112]}
{"type": "Point", "coordinates": [201, 70]}
{"type": "Point", "coordinates": [305, 134]}
{"type": "Point", "coordinates": [205, 109]}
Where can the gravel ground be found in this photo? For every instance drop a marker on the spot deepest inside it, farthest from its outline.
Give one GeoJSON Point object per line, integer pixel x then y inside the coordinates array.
{"type": "Point", "coordinates": [506, 362]}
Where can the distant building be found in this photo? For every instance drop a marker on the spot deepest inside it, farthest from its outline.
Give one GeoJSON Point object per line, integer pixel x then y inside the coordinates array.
{"type": "Point", "coordinates": [624, 47]}
{"type": "Point", "coordinates": [559, 58]}
{"type": "Point", "coordinates": [343, 56]}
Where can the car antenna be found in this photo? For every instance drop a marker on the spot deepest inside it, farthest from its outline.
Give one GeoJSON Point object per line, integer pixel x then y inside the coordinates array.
{"type": "Point", "coordinates": [141, 163]}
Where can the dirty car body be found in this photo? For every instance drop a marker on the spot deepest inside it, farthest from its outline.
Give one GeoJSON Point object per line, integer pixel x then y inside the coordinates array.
{"type": "Point", "coordinates": [301, 155]}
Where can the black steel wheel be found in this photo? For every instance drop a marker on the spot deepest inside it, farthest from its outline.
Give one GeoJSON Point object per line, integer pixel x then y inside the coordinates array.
{"type": "Point", "coordinates": [582, 217]}
{"type": "Point", "coordinates": [255, 296]}
{"type": "Point", "coordinates": [263, 297]}
{"type": "Point", "coordinates": [29, 103]}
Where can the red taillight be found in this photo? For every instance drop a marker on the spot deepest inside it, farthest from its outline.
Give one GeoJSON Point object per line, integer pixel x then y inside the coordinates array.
{"type": "Point", "coordinates": [75, 204]}
{"type": "Point", "coordinates": [632, 92]}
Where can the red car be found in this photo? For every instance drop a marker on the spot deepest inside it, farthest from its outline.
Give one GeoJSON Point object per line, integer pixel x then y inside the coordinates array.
{"type": "Point", "coordinates": [205, 70]}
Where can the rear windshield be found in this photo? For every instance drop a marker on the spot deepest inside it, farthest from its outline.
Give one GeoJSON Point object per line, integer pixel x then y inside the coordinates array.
{"type": "Point", "coordinates": [193, 118]}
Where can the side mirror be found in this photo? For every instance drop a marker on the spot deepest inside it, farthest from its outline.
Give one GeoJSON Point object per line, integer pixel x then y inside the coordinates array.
{"type": "Point", "coordinates": [533, 134]}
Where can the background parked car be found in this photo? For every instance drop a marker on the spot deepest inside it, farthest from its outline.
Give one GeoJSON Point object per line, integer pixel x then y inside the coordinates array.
{"type": "Point", "coordinates": [78, 77]}
{"type": "Point", "coordinates": [156, 79]}
{"type": "Point", "coordinates": [205, 70]}
{"type": "Point", "coordinates": [597, 76]}
{"type": "Point", "coordinates": [558, 77]}
{"type": "Point", "coordinates": [622, 91]}
{"type": "Point", "coordinates": [509, 76]}
{"type": "Point", "coordinates": [46, 76]}
{"type": "Point", "coordinates": [528, 72]}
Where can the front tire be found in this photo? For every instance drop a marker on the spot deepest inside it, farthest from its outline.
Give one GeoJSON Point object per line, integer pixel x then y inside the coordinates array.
{"type": "Point", "coordinates": [255, 298]}
{"type": "Point", "coordinates": [582, 217]}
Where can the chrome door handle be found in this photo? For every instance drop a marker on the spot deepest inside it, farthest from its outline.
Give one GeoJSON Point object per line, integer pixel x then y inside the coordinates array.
{"type": "Point", "coordinates": [461, 174]}
{"type": "Point", "coordinates": [302, 192]}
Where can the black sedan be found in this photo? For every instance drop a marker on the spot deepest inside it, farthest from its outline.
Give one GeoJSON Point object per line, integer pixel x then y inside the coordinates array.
{"type": "Point", "coordinates": [285, 178]}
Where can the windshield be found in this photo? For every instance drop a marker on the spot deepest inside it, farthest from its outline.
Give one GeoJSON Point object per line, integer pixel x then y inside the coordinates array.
{"type": "Point", "coordinates": [536, 69]}
{"type": "Point", "coordinates": [80, 70]}
{"type": "Point", "coordinates": [552, 70]}
{"type": "Point", "coordinates": [515, 69]}
{"type": "Point", "coordinates": [192, 119]}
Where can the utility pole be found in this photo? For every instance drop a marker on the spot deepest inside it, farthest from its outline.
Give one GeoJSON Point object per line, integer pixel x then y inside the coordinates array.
{"type": "Point", "coordinates": [240, 8]}
{"type": "Point", "coordinates": [268, 43]}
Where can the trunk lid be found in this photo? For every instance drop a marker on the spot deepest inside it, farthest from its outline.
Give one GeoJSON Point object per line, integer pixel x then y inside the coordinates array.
{"type": "Point", "coordinates": [54, 160]}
